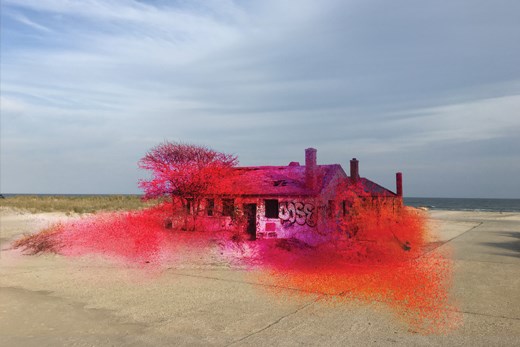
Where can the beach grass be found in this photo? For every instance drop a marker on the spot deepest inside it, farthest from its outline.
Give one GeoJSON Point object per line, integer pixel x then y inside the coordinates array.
{"type": "Point", "coordinates": [74, 204]}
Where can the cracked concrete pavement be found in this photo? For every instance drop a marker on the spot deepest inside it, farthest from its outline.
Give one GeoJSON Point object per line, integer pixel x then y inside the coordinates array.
{"type": "Point", "coordinates": [51, 300]}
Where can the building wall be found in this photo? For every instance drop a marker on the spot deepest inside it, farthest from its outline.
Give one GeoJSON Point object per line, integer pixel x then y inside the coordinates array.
{"type": "Point", "coordinates": [296, 215]}
{"type": "Point", "coordinates": [304, 218]}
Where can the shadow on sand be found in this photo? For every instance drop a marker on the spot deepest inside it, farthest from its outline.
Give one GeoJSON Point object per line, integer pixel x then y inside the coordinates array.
{"type": "Point", "coordinates": [512, 247]}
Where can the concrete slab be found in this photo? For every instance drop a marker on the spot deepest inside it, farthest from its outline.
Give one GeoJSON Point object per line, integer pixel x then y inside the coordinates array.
{"type": "Point", "coordinates": [352, 325]}
{"type": "Point", "coordinates": [53, 300]}
{"type": "Point", "coordinates": [35, 318]}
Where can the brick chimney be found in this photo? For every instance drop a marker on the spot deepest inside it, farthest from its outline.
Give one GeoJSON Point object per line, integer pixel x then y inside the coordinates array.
{"type": "Point", "coordinates": [310, 168]}
{"type": "Point", "coordinates": [399, 184]}
{"type": "Point", "coordinates": [354, 169]}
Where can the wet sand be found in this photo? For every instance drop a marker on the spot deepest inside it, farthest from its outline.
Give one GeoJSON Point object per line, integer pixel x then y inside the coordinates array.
{"type": "Point", "coordinates": [50, 300]}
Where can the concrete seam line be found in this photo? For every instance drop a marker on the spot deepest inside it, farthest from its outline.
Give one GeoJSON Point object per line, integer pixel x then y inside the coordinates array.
{"type": "Point", "coordinates": [247, 282]}
{"type": "Point", "coordinates": [487, 315]}
{"type": "Point", "coordinates": [467, 231]}
{"type": "Point", "coordinates": [275, 322]}
{"type": "Point", "coordinates": [485, 261]}
{"type": "Point", "coordinates": [453, 238]}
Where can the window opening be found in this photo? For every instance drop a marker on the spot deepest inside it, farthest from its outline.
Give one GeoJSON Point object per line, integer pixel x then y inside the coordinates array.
{"type": "Point", "coordinates": [271, 208]}
{"type": "Point", "coordinates": [330, 209]}
{"type": "Point", "coordinates": [210, 206]}
{"type": "Point", "coordinates": [189, 205]}
{"type": "Point", "coordinates": [228, 207]}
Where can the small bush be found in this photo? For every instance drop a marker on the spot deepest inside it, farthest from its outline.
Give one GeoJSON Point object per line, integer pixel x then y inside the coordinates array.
{"type": "Point", "coordinates": [45, 241]}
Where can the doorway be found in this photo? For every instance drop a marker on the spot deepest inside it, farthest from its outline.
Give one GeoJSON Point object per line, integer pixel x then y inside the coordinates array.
{"type": "Point", "coordinates": [250, 214]}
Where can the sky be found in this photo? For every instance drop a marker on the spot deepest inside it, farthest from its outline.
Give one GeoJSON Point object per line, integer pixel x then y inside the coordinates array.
{"type": "Point", "coordinates": [428, 88]}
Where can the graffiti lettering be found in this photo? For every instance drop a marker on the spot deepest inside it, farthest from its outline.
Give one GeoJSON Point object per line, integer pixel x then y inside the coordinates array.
{"type": "Point", "coordinates": [297, 212]}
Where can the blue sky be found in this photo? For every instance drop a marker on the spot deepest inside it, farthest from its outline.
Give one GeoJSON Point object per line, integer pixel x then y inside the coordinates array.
{"type": "Point", "coordinates": [429, 88]}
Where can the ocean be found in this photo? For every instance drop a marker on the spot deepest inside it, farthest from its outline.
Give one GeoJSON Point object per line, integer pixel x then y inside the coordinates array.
{"type": "Point", "coordinates": [466, 204]}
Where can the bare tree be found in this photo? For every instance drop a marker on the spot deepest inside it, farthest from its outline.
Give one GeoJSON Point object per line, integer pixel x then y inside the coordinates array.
{"type": "Point", "coordinates": [184, 173]}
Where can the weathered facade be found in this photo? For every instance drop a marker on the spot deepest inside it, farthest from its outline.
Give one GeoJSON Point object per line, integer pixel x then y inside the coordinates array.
{"type": "Point", "coordinates": [287, 201]}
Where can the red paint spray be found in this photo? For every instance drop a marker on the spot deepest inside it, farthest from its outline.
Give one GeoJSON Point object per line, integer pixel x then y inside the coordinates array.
{"type": "Point", "coordinates": [382, 257]}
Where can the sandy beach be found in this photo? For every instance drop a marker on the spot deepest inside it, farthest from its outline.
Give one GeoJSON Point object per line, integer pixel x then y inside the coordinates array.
{"type": "Point", "coordinates": [51, 300]}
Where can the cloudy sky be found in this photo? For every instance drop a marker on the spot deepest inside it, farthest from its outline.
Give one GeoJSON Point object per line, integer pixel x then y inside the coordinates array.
{"type": "Point", "coordinates": [429, 88]}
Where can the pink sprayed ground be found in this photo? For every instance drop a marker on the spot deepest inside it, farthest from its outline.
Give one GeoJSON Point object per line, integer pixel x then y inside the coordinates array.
{"type": "Point", "coordinates": [387, 261]}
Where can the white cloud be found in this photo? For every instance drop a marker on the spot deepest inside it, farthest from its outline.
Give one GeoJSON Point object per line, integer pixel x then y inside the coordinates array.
{"type": "Point", "coordinates": [24, 20]}
{"type": "Point", "coordinates": [470, 121]}
{"type": "Point", "coordinates": [12, 106]}
{"type": "Point", "coordinates": [263, 79]}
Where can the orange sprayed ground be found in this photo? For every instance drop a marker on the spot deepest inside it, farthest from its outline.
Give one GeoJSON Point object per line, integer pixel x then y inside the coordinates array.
{"type": "Point", "coordinates": [385, 261]}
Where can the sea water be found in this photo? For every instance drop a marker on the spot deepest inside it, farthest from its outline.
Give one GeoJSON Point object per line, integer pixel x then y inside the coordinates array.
{"type": "Point", "coordinates": [465, 204]}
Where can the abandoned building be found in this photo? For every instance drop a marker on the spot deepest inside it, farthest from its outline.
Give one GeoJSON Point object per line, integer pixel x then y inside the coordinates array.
{"type": "Point", "coordinates": [289, 201]}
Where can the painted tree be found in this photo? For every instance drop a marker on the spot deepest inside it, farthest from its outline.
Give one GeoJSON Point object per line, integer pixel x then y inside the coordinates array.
{"type": "Point", "coordinates": [184, 173]}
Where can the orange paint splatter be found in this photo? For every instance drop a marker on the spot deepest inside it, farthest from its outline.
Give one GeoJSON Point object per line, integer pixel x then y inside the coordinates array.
{"type": "Point", "coordinates": [378, 254]}
{"type": "Point", "coordinates": [387, 261]}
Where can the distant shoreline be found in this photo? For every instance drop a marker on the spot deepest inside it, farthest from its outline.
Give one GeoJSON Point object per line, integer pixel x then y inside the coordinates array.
{"type": "Point", "coordinates": [449, 204]}
{"type": "Point", "coordinates": [139, 194]}
{"type": "Point", "coordinates": [465, 204]}
{"type": "Point", "coordinates": [8, 195]}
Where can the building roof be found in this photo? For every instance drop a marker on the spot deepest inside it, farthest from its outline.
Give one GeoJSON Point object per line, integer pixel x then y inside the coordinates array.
{"type": "Point", "coordinates": [277, 180]}
{"type": "Point", "coordinates": [375, 189]}
{"type": "Point", "coordinates": [288, 181]}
